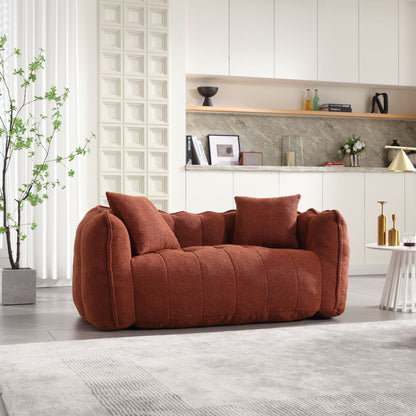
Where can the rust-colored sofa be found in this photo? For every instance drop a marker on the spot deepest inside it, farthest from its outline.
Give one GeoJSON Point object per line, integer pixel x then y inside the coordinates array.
{"type": "Point", "coordinates": [207, 280]}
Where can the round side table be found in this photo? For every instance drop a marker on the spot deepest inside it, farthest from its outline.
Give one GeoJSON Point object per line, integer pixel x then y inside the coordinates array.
{"type": "Point", "coordinates": [399, 293]}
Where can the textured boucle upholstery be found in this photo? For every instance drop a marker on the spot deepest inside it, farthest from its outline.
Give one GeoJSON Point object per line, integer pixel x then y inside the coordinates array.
{"type": "Point", "coordinates": [208, 280]}
{"type": "Point", "coordinates": [211, 285]}
{"type": "Point", "coordinates": [206, 229]}
{"type": "Point", "coordinates": [147, 230]}
{"type": "Point", "coordinates": [266, 222]}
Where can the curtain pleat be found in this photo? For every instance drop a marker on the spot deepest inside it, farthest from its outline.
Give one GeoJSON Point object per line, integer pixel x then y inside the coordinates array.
{"type": "Point", "coordinates": [53, 26]}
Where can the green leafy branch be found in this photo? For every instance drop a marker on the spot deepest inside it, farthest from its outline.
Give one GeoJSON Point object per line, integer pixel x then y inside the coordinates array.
{"type": "Point", "coordinates": [24, 133]}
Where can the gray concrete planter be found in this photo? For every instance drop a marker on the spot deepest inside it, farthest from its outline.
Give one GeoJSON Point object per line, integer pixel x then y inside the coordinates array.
{"type": "Point", "coordinates": [17, 287]}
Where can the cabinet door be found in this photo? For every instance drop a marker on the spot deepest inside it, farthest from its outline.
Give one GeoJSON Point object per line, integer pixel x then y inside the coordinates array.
{"type": "Point", "coordinates": [207, 37]}
{"type": "Point", "coordinates": [252, 38]}
{"type": "Point", "coordinates": [410, 203]}
{"type": "Point", "coordinates": [382, 187]}
{"type": "Point", "coordinates": [296, 39]}
{"type": "Point", "coordinates": [308, 185]}
{"type": "Point", "coordinates": [256, 184]}
{"type": "Point", "coordinates": [407, 42]}
{"type": "Point", "coordinates": [338, 40]}
{"type": "Point", "coordinates": [345, 192]}
{"type": "Point", "coordinates": [209, 191]}
{"type": "Point", "coordinates": [378, 42]}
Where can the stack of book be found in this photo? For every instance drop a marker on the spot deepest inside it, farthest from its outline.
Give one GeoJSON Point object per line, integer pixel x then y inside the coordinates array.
{"type": "Point", "coordinates": [344, 108]}
{"type": "Point", "coordinates": [195, 153]}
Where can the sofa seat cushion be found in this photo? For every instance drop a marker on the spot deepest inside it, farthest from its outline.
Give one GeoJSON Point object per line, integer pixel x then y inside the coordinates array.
{"type": "Point", "coordinates": [225, 284]}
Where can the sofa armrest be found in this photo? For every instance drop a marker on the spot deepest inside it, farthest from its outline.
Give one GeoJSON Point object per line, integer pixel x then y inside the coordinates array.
{"type": "Point", "coordinates": [325, 233]}
{"type": "Point", "coordinates": [102, 280]}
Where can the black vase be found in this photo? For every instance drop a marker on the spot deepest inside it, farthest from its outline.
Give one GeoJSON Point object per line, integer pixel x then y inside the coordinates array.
{"type": "Point", "coordinates": [207, 92]}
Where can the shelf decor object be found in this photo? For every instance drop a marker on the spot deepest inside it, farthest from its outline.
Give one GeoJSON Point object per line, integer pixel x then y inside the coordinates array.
{"type": "Point", "coordinates": [354, 160]}
{"type": "Point", "coordinates": [292, 150]}
{"type": "Point", "coordinates": [401, 162]}
{"type": "Point", "coordinates": [382, 226]}
{"type": "Point", "coordinates": [224, 149]}
{"type": "Point", "coordinates": [352, 147]}
{"type": "Point", "coordinates": [207, 92]}
{"type": "Point", "coordinates": [392, 153]}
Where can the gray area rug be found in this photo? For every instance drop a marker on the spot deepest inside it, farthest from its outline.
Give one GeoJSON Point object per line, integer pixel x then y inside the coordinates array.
{"type": "Point", "coordinates": [335, 369]}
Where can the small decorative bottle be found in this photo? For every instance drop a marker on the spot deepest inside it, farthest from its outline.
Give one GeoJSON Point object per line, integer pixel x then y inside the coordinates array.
{"type": "Point", "coordinates": [316, 101]}
{"type": "Point", "coordinates": [394, 238]}
{"type": "Point", "coordinates": [308, 101]}
{"type": "Point", "coordinates": [382, 226]}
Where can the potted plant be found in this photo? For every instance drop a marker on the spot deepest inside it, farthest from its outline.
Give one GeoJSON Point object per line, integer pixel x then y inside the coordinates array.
{"type": "Point", "coordinates": [21, 131]}
{"type": "Point", "coordinates": [353, 147]}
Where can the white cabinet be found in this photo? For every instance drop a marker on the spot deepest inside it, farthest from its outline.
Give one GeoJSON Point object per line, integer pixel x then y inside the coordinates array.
{"type": "Point", "coordinates": [407, 42]}
{"type": "Point", "coordinates": [338, 40]}
{"type": "Point", "coordinates": [256, 184]}
{"type": "Point", "coordinates": [410, 203]}
{"type": "Point", "coordinates": [209, 191]}
{"type": "Point", "coordinates": [296, 39]}
{"type": "Point", "coordinates": [252, 38]}
{"type": "Point", "coordinates": [378, 42]}
{"type": "Point", "coordinates": [307, 184]}
{"type": "Point", "coordinates": [382, 187]}
{"type": "Point", "coordinates": [354, 195]}
{"type": "Point", "coordinates": [367, 41]}
{"type": "Point", "coordinates": [345, 192]}
{"type": "Point", "coordinates": [207, 37]}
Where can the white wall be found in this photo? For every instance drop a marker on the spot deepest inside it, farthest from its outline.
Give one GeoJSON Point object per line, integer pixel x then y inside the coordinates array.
{"type": "Point", "coordinates": [87, 64]}
{"type": "Point", "coordinates": [288, 95]}
{"type": "Point", "coordinates": [177, 105]}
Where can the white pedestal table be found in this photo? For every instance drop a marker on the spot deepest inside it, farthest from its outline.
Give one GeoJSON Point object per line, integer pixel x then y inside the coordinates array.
{"type": "Point", "coordinates": [399, 293]}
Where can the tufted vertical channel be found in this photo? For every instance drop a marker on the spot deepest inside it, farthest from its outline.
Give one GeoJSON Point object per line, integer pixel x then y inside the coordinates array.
{"type": "Point", "coordinates": [325, 233]}
{"type": "Point", "coordinates": [102, 281]}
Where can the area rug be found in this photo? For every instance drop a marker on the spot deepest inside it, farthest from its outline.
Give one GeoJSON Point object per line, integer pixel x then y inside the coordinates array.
{"type": "Point", "coordinates": [335, 369]}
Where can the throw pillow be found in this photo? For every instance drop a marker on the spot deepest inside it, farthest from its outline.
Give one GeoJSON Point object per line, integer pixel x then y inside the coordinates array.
{"type": "Point", "coordinates": [266, 222]}
{"type": "Point", "coordinates": [148, 230]}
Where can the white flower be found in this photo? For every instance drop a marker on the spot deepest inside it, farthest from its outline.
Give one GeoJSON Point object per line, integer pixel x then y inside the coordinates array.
{"type": "Point", "coordinates": [358, 145]}
{"type": "Point", "coordinates": [348, 151]}
{"type": "Point", "coordinates": [354, 148]}
{"type": "Point", "coordinates": [346, 146]}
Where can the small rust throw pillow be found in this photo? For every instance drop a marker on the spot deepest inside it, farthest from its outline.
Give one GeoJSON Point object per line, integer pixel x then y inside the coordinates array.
{"type": "Point", "coordinates": [266, 222]}
{"type": "Point", "coordinates": [147, 228]}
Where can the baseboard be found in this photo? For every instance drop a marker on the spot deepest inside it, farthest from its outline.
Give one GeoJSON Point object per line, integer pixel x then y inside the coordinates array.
{"type": "Point", "coordinates": [364, 269]}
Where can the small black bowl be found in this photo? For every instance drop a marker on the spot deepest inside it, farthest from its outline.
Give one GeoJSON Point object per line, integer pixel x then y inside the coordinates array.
{"type": "Point", "coordinates": [207, 92]}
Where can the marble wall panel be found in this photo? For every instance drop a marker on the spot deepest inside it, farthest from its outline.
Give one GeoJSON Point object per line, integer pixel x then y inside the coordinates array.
{"type": "Point", "coordinates": [321, 135]}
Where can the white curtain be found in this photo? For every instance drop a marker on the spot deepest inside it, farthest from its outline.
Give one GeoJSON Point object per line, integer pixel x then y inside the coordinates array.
{"type": "Point", "coordinates": [53, 26]}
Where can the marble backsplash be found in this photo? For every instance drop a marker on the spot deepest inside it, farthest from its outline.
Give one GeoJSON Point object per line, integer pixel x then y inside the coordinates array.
{"type": "Point", "coordinates": [321, 136]}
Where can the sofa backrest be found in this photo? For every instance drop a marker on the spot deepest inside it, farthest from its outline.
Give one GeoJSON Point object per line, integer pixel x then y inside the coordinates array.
{"type": "Point", "coordinates": [205, 229]}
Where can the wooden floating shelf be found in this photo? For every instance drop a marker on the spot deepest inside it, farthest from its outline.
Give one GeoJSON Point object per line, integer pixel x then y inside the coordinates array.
{"type": "Point", "coordinates": [205, 109]}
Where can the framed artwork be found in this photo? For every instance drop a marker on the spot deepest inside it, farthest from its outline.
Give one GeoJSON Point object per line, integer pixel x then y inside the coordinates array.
{"type": "Point", "coordinates": [224, 149]}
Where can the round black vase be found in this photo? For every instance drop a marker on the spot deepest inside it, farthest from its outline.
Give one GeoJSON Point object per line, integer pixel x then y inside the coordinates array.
{"type": "Point", "coordinates": [207, 92]}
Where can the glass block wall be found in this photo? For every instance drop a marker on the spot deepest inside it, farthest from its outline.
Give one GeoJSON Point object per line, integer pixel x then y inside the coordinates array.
{"type": "Point", "coordinates": [133, 99]}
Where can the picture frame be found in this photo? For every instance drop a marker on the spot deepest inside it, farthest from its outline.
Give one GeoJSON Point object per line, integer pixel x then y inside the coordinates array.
{"type": "Point", "coordinates": [224, 149]}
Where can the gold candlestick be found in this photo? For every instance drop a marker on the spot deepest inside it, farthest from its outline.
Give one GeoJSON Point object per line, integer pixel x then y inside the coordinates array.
{"type": "Point", "coordinates": [382, 226]}
{"type": "Point", "coordinates": [394, 239]}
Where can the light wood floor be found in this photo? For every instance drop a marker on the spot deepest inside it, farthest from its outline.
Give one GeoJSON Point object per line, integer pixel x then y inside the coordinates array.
{"type": "Point", "coordinates": [54, 317]}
